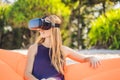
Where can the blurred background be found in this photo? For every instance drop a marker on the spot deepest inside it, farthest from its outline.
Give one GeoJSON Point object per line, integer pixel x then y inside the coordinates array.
{"type": "Point", "coordinates": [87, 24]}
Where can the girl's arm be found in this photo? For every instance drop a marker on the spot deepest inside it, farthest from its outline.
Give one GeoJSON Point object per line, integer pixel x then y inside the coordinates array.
{"type": "Point", "coordinates": [30, 59]}
{"type": "Point", "coordinates": [72, 54]}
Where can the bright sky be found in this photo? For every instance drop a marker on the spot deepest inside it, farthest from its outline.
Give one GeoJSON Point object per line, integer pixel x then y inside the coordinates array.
{"type": "Point", "coordinates": [10, 0]}
{"type": "Point", "coordinates": [117, 5]}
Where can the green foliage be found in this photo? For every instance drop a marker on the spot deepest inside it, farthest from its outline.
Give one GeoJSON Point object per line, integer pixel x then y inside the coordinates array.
{"type": "Point", "coordinates": [4, 8]}
{"type": "Point", "coordinates": [24, 10]}
{"type": "Point", "coordinates": [15, 39]}
{"type": "Point", "coordinates": [3, 13]}
{"type": "Point", "coordinates": [19, 13]}
{"type": "Point", "coordinates": [105, 30]}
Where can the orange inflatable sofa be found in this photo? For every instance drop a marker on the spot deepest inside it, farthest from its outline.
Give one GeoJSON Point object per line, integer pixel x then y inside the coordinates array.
{"type": "Point", "coordinates": [12, 66]}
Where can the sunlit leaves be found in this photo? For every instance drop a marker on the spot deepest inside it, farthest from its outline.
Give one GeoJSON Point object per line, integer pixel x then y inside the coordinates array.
{"type": "Point", "coordinates": [105, 30]}
{"type": "Point", "coordinates": [22, 11]}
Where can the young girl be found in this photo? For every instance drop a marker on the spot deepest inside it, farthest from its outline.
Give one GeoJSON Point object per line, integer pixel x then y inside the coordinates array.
{"type": "Point", "coordinates": [46, 58]}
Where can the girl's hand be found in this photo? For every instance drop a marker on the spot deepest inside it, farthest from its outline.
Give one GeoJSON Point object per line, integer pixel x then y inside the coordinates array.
{"type": "Point", "coordinates": [51, 78]}
{"type": "Point", "coordinates": [43, 79]}
{"type": "Point", "coordinates": [94, 62]}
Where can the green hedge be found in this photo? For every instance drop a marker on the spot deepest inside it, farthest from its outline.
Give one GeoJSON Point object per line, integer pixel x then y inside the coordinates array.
{"type": "Point", "coordinates": [105, 31]}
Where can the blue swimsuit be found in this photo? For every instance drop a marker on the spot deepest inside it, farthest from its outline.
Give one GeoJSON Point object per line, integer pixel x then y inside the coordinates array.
{"type": "Point", "coordinates": [42, 67]}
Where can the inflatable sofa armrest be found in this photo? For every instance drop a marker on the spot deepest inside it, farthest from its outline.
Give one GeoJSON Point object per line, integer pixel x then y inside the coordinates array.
{"type": "Point", "coordinates": [7, 73]}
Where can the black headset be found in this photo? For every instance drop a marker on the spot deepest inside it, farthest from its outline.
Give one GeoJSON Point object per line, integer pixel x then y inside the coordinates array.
{"type": "Point", "coordinates": [41, 23]}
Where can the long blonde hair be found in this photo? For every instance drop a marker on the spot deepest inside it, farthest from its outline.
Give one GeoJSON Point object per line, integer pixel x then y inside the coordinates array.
{"type": "Point", "coordinates": [57, 58]}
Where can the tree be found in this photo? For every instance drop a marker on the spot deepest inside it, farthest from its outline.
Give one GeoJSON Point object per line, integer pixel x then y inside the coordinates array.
{"type": "Point", "coordinates": [4, 9]}
{"type": "Point", "coordinates": [105, 31]}
{"type": "Point", "coordinates": [24, 10]}
{"type": "Point", "coordinates": [82, 13]}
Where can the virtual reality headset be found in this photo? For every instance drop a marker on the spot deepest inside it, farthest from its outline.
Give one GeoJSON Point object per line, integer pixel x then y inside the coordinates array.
{"type": "Point", "coordinates": [41, 23]}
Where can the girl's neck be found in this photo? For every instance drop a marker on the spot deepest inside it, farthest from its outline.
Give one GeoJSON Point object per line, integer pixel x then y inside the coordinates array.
{"type": "Point", "coordinates": [47, 42]}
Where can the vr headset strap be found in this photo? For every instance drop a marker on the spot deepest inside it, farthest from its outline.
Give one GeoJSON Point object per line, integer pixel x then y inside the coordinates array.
{"type": "Point", "coordinates": [57, 25]}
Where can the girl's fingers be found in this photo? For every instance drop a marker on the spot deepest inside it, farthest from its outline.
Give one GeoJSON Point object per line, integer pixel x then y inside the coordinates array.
{"type": "Point", "coordinates": [94, 63]}
{"type": "Point", "coordinates": [51, 79]}
{"type": "Point", "coordinates": [43, 79]}
{"type": "Point", "coordinates": [99, 63]}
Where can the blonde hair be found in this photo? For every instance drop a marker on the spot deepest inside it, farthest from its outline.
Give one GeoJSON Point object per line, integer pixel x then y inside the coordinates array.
{"type": "Point", "coordinates": [57, 58]}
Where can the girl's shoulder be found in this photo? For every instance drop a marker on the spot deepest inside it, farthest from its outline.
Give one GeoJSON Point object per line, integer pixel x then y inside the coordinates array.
{"type": "Point", "coordinates": [33, 46]}
{"type": "Point", "coordinates": [66, 50]}
{"type": "Point", "coordinates": [33, 49]}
